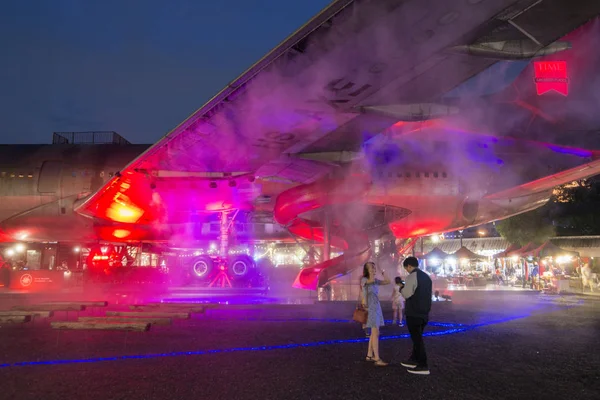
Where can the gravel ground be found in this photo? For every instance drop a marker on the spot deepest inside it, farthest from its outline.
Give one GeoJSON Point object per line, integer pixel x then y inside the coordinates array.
{"type": "Point", "coordinates": [484, 345]}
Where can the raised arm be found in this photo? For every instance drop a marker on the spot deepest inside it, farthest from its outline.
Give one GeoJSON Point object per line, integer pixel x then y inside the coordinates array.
{"type": "Point", "coordinates": [385, 280]}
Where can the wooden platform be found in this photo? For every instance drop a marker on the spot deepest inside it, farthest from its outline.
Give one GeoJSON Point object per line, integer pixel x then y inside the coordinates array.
{"type": "Point", "coordinates": [13, 319]}
{"type": "Point", "coordinates": [196, 309]}
{"type": "Point", "coordinates": [36, 313]}
{"type": "Point", "coordinates": [123, 326]}
{"type": "Point", "coordinates": [83, 303]}
{"type": "Point", "coordinates": [175, 315]}
{"type": "Point", "coordinates": [51, 307]}
{"type": "Point", "coordinates": [113, 320]}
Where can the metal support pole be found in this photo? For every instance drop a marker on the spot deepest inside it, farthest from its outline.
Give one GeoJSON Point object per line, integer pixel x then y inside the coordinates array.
{"type": "Point", "coordinates": [224, 236]}
{"type": "Point", "coordinates": [327, 236]}
{"type": "Point", "coordinates": [298, 242]}
{"type": "Point", "coordinates": [524, 32]}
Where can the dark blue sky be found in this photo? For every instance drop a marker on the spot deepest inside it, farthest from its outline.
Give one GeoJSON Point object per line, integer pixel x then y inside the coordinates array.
{"type": "Point", "coordinates": [138, 67]}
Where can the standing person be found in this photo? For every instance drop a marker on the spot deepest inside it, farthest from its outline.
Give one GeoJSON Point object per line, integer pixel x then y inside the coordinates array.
{"type": "Point", "coordinates": [499, 278]}
{"type": "Point", "coordinates": [398, 303]}
{"type": "Point", "coordinates": [586, 277]}
{"type": "Point", "coordinates": [417, 292]}
{"type": "Point", "coordinates": [370, 299]}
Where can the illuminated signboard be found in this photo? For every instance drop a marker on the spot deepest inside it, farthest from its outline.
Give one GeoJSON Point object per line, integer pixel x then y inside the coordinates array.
{"type": "Point", "coordinates": [551, 75]}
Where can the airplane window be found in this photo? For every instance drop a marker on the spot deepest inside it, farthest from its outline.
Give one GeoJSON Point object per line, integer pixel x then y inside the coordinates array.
{"type": "Point", "coordinates": [3, 174]}
{"type": "Point", "coordinates": [12, 175]}
{"type": "Point", "coordinates": [426, 174]}
{"type": "Point", "coordinates": [435, 174]}
{"type": "Point", "coordinates": [407, 174]}
{"type": "Point", "coordinates": [417, 174]}
{"type": "Point", "coordinates": [444, 175]}
{"type": "Point", "coordinates": [21, 175]}
{"type": "Point", "coordinates": [74, 174]}
{"type": "Point", "coordinates": [30, 175]}
{"type": "Point", "coordinates": [399, 174]}
{"type": "Point", "coordinates": [110, 174]}
{"type": "Point", "coordinates": [390, 174]}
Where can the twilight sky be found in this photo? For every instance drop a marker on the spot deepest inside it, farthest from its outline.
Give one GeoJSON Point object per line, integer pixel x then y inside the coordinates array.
{"type": "Point", "coordinates": [138, 67]}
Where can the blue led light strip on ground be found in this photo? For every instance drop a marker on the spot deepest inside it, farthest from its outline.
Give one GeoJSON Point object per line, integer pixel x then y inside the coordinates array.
{"type": "Point", "coordinates": [455, 328]}
{"type": "Point", "coordinates": [217, 351]}
{"type": "Point", "coordinates": [452, 331]}
{"type": "Point", "coordinates": [332, 320]}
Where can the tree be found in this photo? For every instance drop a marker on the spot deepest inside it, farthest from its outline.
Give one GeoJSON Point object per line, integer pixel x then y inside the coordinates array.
{"type": "Point", "coordinates": [573, 192]}
{"type": "Point", "coordinates": [575, 206]}
{"type": "Point", "coordinates": [533, 226]}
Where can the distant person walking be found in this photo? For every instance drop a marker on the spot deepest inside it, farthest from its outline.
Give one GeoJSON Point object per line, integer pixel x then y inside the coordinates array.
{"type": "Point", "coordinates": [417, 292]}
{"type": "Point", "coordinates": [370, 298]}
{"type": "Point", "coordinates": [586, 277]}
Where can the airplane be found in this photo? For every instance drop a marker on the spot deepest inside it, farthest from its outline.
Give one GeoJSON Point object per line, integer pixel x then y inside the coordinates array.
{"type": "Point", "coordinates": [341, 132]}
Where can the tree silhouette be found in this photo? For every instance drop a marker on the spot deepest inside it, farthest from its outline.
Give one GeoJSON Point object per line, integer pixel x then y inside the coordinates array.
{"type": "Point", "coordinates": [533, 226]}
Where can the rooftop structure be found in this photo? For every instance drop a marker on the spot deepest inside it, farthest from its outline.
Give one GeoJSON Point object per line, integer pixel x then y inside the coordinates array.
{"type": "Point", "coordinates": [91, 137]}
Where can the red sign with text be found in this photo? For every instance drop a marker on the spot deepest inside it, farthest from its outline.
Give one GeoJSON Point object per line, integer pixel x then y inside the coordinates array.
{"type": "Point", "coordinates": [36, 280]}
{"type": "Point", "coordinates": [551, 75]}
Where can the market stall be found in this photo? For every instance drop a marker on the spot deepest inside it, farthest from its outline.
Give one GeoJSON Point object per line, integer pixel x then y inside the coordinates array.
{"type": "Point", "coordinates": [554, 267]}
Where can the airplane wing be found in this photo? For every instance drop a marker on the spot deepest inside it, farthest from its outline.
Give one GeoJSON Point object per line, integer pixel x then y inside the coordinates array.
{"type": "Point", "coordinates": [313, 93]}
{"type": "Point", "coordinates": [549, 182]}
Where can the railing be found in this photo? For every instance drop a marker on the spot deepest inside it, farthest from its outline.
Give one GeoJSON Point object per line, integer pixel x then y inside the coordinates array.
{"type": "Point", "coordinates": [99, 137]}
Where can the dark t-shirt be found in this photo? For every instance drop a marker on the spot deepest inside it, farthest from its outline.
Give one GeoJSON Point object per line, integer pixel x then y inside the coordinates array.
{"type": "Point", "coordinates": [419, 304]}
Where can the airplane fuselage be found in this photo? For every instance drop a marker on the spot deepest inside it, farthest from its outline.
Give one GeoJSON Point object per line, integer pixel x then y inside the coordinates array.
{"type": "Point", "coordinates": [39, 184]}
{"type": "Point", "coordinates": [434, 180]}
{"type": "Point", "coordinates": [437, 180]}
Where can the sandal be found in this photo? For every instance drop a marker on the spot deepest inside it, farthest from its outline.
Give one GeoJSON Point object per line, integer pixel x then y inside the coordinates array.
{"type": "Point", "coordinates": [380, 363]}
{"type": "Point", "coordinates": [369, 359]}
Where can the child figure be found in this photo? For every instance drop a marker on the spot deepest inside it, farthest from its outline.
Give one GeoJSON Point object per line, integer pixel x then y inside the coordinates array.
{"type": "Point", "coordinates": [398, 303]}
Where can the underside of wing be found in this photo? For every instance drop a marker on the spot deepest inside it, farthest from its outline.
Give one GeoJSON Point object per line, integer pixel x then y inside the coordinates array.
{"type": "Point", "coordinates": [347, 75]}
{"type": "Point", "coordinates": [549, 182]}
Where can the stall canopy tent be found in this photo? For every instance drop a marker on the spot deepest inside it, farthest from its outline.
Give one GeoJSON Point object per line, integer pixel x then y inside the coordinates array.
{"type": "Point", "coordinates": [509, 249]}
{"type": "Point", "coordinates": [435, 253]}
{"type": "Point", "coordinates": [519, 253]}
{"type": "Point", "coordinates": [463, 252]}
{"type": "Point", "coordinates": [549, 249]}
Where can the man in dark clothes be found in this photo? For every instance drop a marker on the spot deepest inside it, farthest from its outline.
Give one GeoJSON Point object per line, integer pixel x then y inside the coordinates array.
{"type": "Point", "coordinates": [417, 292]}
